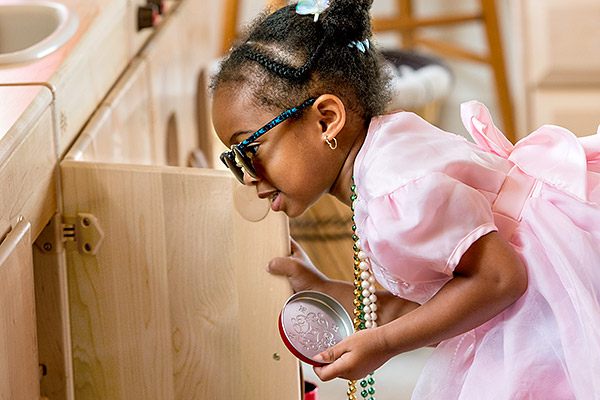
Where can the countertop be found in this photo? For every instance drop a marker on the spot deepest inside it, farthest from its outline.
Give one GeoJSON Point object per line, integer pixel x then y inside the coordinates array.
{"type": "Point", "coordinates": [15, 100]}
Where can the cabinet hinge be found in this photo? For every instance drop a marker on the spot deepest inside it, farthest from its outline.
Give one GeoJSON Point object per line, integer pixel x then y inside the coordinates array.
{"type": "Point", "coordinates": [81, 232]}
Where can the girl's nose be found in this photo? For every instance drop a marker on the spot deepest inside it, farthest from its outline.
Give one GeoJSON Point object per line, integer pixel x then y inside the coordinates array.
{"type": "Point", "coordinates": [249, 180]}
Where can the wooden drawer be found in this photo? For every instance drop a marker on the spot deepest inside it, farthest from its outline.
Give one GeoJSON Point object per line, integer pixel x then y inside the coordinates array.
{"type": "Point", "coordinates": [575, 109]}
{"type": "Point", "coordinates": [562, 41]}
{"type": "Point", "coordinates": [28, 165]}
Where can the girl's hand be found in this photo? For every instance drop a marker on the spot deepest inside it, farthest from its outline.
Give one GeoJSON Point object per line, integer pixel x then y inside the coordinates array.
{"type": "Point", "coordinates": [301, 272]}
{"type": "Point", "coordinates": [353, 358]}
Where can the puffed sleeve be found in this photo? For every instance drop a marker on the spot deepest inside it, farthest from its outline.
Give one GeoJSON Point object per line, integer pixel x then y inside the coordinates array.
{"type": "Point", "coordinates": [418, 233]}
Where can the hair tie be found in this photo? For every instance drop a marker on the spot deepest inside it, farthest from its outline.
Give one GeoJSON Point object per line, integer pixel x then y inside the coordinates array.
{"type": "Point", "coordinates": [361, 46]}
{"type": "Point", "coordinates": [315, 7]}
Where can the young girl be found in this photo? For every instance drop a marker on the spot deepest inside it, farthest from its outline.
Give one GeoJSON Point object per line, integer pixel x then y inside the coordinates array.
{"type": "Point", "coordinates": [489, 250]}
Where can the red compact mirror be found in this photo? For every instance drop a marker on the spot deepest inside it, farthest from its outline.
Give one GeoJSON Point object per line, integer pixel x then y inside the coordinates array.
{"type": "Point", "coordinates": [311, 322]}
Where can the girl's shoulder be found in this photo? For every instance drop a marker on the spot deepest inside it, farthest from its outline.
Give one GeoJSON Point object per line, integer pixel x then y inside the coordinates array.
{"type": "Point", "coordinates": [402, 147]}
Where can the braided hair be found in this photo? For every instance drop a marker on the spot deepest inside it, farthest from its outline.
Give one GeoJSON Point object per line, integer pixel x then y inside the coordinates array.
{"type": "Point", "coordinates": [285, 58]}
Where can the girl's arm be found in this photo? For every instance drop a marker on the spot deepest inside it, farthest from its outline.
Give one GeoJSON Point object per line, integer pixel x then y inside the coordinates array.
{"type": "Point", "coordinates": [303, 275]}
{"type": "Point", "coordinates": [489, 278]}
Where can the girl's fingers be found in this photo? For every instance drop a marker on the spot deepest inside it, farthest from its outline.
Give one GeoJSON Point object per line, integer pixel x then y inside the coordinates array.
{"type": "Point", "coordinates": [280, 266]}
{"type": "Point", "coordinates": [289, 265]}
{"type": "Point", "coordinates": [332, 355]}
{"type": "Point", "coordinates": [294, 246]}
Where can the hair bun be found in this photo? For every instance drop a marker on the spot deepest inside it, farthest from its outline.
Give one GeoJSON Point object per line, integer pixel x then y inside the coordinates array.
{"type": "Point", "coordinates": [347, 20]}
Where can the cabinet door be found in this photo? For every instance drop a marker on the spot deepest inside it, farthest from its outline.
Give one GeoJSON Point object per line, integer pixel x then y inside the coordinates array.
{"type": "Point", "coordinates": [19, 372]}
{"type": "Point", "coordinates": [174, 305]}
{"type": "Point", "coordinates": [562, 41]}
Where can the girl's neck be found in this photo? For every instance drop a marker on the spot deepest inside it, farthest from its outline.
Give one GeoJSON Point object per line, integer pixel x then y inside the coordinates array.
{"type": "Point", "coordinates": [341, 188]}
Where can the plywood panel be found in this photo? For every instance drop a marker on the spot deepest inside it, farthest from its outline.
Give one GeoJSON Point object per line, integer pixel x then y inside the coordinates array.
{"type": "Point", "coordinates": [19, 373]}
{"type": "Point", "coordinates": [118, 298]}
{"type": "Point", "coordinates": [168, 307]}
{"type": "Point", "coordinates": [269, 371]}
{"type": "Point", "coordinates": [224, 305]}
{"type": "Point", "coordinates": [202, 285]}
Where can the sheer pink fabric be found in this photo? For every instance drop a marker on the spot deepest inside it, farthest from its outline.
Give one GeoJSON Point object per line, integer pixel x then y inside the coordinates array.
{"type": "Point", "coordinates": [425, 195]}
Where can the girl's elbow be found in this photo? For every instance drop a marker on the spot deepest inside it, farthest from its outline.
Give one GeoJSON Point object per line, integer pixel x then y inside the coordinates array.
{"type": "Point", "coordinates": [516, 285]}
{"type": "Point", "coordinates": [523, 281]}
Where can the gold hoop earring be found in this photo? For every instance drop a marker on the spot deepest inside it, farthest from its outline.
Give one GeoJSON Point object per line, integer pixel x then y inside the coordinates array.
{"type": "Point", "coordinates": [333, 145]}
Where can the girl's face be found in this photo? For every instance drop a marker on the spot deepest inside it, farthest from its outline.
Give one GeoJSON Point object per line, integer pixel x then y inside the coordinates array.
{"type": "Point", "coordinates": [294, 164]}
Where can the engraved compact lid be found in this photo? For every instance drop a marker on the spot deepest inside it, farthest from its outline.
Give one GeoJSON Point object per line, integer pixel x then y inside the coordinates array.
{"type": "Point", "coordinates": [311, 322]}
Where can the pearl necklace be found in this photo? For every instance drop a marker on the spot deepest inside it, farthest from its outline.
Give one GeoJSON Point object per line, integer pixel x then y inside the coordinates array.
{"type": "Point", "coordinates": [365, 306]}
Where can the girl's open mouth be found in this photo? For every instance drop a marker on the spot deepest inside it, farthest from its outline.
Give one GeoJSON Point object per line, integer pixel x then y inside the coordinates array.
{"type": "Point", "coordinates": [275, 201]}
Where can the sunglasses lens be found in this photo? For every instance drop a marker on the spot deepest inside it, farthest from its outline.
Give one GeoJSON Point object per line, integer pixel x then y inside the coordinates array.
{"type": "Point", "coordinates": [226, 158]}
{"type": "Point", "coordinates": [245, 162]}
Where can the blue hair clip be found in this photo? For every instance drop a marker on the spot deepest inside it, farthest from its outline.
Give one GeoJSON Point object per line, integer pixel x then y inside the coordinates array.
{"type": "Point", "coordinates": [361, 46]}
{"type": "Point", "coordinates": [315, 7]}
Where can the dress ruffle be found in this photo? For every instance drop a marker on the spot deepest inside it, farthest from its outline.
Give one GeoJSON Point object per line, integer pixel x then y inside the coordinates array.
{"type": "Point", "coordinates": [551, 154]}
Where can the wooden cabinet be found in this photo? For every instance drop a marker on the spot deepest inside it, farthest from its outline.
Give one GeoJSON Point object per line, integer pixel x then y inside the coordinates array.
{"type": "Point", "coordinates": [19, 372]}
{"type": "Point", "coordinates": [92, 67]}
{"type": "Point", "coordinates": [560, 65]}
{"type": "Point", "coordinates": [137, 37]}
{"type": "Point", "coordinates": [175, 302]}
{"type": "Point", "coordinates": [173, 132]}
{"type": "Point", "coordinates": [178, 58]}
{"type": "Point", "coordinates": [149, 282]}
{"type": "Point", "coordinates": [124, 123]}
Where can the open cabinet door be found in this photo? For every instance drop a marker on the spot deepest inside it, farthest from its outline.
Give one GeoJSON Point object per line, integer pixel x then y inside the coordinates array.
{"type": "Point", "coordinates": [19, 372]}
{"type": "Point", "coordinates": [175, 303]}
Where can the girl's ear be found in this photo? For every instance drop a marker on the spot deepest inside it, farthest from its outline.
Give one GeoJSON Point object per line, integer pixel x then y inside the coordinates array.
{"type": "Point", "coordinates": [331, 114]}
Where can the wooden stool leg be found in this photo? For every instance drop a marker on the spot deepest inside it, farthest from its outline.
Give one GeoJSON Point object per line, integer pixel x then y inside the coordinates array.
{"type": "Point", "coordinates": [496, 60]}
{"type": "Point", "coordinates": [276, 4]}
{"type": "Point", "coordinates": [230, 19]}
{"type": "Point", "coordinates": [405, 14]}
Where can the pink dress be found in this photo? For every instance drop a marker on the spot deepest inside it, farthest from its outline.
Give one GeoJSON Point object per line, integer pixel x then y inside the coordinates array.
{"type": "Point", "coordinates": [425, 195]}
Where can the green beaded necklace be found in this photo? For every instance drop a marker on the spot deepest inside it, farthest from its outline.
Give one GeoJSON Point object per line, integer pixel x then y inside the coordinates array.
{"type": "Point", "coordinates": [364, 303]}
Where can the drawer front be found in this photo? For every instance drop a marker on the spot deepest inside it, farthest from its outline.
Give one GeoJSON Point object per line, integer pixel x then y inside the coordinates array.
{"type": "Point", "coordinates": [28, 178]}
{"type": "Point", "coordinates": [575, 109]}
{"type": "Point", "coordinates": [562, 41]}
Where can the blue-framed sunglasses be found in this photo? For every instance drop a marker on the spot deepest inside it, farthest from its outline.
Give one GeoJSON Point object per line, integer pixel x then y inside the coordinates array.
{"type": "Point", "coordinates": [239, 158]}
